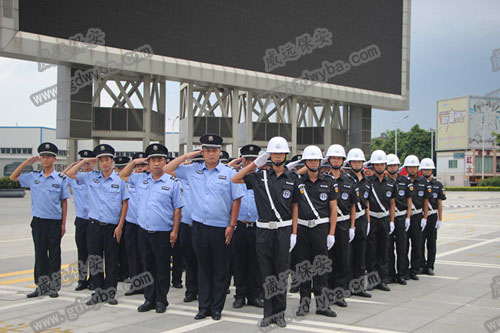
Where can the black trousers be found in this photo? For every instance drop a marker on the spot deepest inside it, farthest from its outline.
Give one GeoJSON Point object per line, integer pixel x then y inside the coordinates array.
{"type": "Point", "coordinates": [47, 241]}
{"type": "Point", "coordinates": [82, 247]}
{"type": "Point", "coordinates": [246, 267]}
{"type": "Point", "coordinates": [377, 247]}
{"type": "Point", "coordinates": [311, 242]}
{"type": "Point", "coordinates": [429, 238]}
{"type": "Point", "coordinates": [155, 250]}
{"type": "Point", "coordinates": [397, 248]}
{"type": "Point", "coordinates": [130, 239]}
{"type": "Point", "coordinates": [339, 254]}
{"type": "Point", "coordinates": [103, 244]}
{"type": "Point", "coordinates": [192, 263]}
{"type": "Point", "coordinates": [274, 258]}
{"type": "Point", "coordinates": [415, 237]}
{"type": "Point", "coordinates": [358, 248]}
{"type": "Point", "coordinates": [177, 263]}
{"type": "Point", "coordinates": [123, 269]}
{"type": "Point", "coordinates": [213, 266]}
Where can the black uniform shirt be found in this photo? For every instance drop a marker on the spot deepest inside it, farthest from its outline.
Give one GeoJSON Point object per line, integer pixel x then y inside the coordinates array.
{"type": "Point", "coordinates": [284, 191]}
{"type": "Point", "coordinates": [364, 187]}
{"type": "Point", "coordinates": [386, 190]}
{"type": "Point", "coordinates": [348, 193]}
{"type": "Point", "coordinates": [437, 193]}
{"type": "Point", "coordinates": [321, 192]}
{"type": "Point", "coordinates": [405, 190]}
{"type": "Point", "coordinates": [421, 190]}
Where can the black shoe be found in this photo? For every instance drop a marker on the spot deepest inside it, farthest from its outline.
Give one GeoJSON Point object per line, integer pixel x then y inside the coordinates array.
{"type": "Point", "coordinates": [429, 271]}
{"type": "Point", "coordinates": [326, 313]}
{"type": "Point", "coordinates": [53, 294]}
{"type": "Point", "coordinates": [91, 287]}
{"type": "Point", "coordinates": [392, 280]}
{"type": "Point", "coordinates": [201, 315]}
{"type": "Point", "coordinates": [216, 315]}
{"type": "Point", "coordinates": [265, 322]}
{"type": "Point", "coordinates": [294, 290]}
{"type": "Point", "coordinates": [342, 303]}
{"type": "Point", "coordinates": [133, 291]}
{"type": "Point", "coordinates": [301, 311]}
{"type": "Point", "coordinates": [406, 277]}
{"type": "Point", "coordinates": [280, 322]}
{"type": "Point", "coordinates": [238, 303]}
{"type": "Point", "coordinates": [189, 298]}
{"type": "Point", "coordinates": [420, 270]}
{"type": "Point", "coordinates": [383, 286]}
{"type": "Point", "coordinates": [401, 281]}
{"type": "Point", "coordinates": [370, 288]}
{"type": "Point", "coordinates": [112, 301]}
{"type": "Point", "coordinates": [160, 307]}
{"type": "Point", "coordinates": [414, 276]}
{"type": "Point", "coordinates": [94, 299]}
{"type": "Point", "coordinates": [177, 285]}
{"type": "Point", "coordinates": [81, 286]}
{"type": "Point", "coordinates": [36, 293]}
{"type": "Point", "coordinates": [257, 302]}
{"type": "Point", "coordinates": [146, 306]}
{"type": "Point", "coordinates": [363, 294]}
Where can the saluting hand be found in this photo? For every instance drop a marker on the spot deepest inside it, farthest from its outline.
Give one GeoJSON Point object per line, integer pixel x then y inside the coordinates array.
{"type": "Point", "coordinates": [32, 160]}
{"type": "Point", "coordinates": [192, 154]}
{"type": "Point", "coordinates": [91, 160]}
{"type": "Point", "coordinates": [141, 160]}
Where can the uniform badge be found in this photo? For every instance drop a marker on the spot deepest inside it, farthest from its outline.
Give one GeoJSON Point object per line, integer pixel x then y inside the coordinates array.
{"type": "Point", "coordinates": [435, 195]}
{"type": "Point", "coordinates": [336, 189]}
{"type": "Point", "coordinates": [420, 193]}
{"type": "Point", "coordinates": [210, 138]}
{"type": "Point", "coordinates": [323, 196]}
{"type": "Point", "coordinates": [365, 195]}
{"type": "Point", "coordinates": [345, 196]}
{"type": "Point", "coordinates": [251, 148]}
{"type": "Point", "coordinates": [401, 192]}
{"type": "Point", "coordinates": [411, 188]}
{"type": "Point", "coordinates": [55, 185]}
{"type": "Point", "coordinates": [388, 194]}
{"type": "Point", "coordinates": [144, 181]}
{"type": "Point", "coordinates": [47, 146]}
{"type": "Point", "coordinates": [103, 148]}
{"type": "Point", "coordinates": [199, 171]}
{"type": "Point", "coordinates": [155, 147]}
{"type": "Point", "coordinates": [95, 180]}
{"type": "Point", "coordinates": [222, 177]}
{"type": "Point", "coordinates": [115, 186]}
{"type": "Point", "coordinates": [287, 194]}
{"type": "Point", "coordinates": [37, 182]}
{"type": "Point", "coordinates": [166, 188]}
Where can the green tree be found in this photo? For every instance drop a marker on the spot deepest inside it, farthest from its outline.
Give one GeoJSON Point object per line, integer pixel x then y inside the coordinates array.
{"type": "Point", "coordinates": [416, 141]}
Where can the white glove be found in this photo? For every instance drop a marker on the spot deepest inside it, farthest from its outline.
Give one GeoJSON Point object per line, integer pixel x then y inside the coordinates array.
{"type": "Point", "coordinates": [391, 227]}
{"type": "Point", "coordinates": [330, 241]}
{"type": "Point", "coordinates": [423, 224]}
{"type": "Point", "coordinates": [351, 234]}
{"type": "Point", "coordinates": [368, 229]}
{"type": "Point", "coordinates": [293, 241]}
{"type": "Point", "coordinates": [407, 224]}
{"type": "Point", "coordinates": [438, 224]}
{"type": "Point", "coordinates": [262, 160]}
{"type": "Point", "coordinates": [291, 166]}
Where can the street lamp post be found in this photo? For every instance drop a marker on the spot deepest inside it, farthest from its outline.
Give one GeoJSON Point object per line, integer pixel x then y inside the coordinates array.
{"type": "Point", "coordinates": [396, 138]}
{"type": "Point", "coordinates": [482, 154]}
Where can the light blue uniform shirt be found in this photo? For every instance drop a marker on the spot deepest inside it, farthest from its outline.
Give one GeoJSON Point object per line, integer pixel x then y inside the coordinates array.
{"type": "Point", "coordinates": [248, 209]}
{"type": "Point", "coordinates": [212, 192]}
{"type": "Point", "coordinates": [186, 210]}
{"type": "Point", "coordinates": [157, 200]}
{"type": "Point", "coordinates": [46, 193]}
{"type": "Point", "coordinates": [106, 195]}
{"type": "Point", "coordinates": [81, 196]}
{"type": "Point", "coordinates": [132, 204]}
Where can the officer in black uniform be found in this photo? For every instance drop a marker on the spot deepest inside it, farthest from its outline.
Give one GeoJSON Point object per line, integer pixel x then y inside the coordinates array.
{"type": "Point", "coordinates": [345, 229]}
{"type": "Point", "coordinates": [355, 158]}
{"type": "Point", "coordinates": [276, 196]}
{"type": "Point", "coordinates": [382, 209]}
{"type": "Point", "coordinates": [316, 229]}
{"type": "Point", "coordinates": [123, 273]}
{"type": "Point", "coordinates": [402, 221]}
{"type": "Point", "coordinates": [435, 216]}
{"type": "Point", "coordinates": [420, 206]}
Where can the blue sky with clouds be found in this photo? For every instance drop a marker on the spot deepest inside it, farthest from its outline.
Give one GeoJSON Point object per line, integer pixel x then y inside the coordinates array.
{"type": "Point", "coordinates": [451, 45]}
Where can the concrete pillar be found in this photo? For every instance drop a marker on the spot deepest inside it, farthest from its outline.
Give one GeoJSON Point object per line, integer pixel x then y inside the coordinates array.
{"type": "Point", "coordinates": [146, 116]}
{"type": "Point", "coordinates": [292, 104]}
{"type": "Point", "coordinates": [234, 115]}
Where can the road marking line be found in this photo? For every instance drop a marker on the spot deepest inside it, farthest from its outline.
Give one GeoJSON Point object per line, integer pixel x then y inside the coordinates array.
{"type": "Point", "coordinates": [191, 327]}
{"type": "Point", "coordinates": [12, 281]}
{"type": "Point", "coordinates": [353, 300]}
{"type": "Point", "coordinates": [30, 302]}
{"type": "Point", "coordinates": [441, 277]}
{"type": "Point", "coordinates": [467, 247]}
{"type": "Point", "coordinates": [28, 271]}
{"type": "Point", "coordinates": [467, 263]}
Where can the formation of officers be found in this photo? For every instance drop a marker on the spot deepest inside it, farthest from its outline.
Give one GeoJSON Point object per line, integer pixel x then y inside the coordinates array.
{"type": "Point", "coordinates": [254, 217]}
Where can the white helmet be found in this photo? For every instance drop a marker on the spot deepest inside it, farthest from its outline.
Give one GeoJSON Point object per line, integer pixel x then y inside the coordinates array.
{"type": "Point", "coordinates": [278, 144]}
{"type": "Point", "coordinates": [427, 163]}
{"type": "Point", "coordinates": [411, 160]}
{"type": "Point", "coordinates": [355, 154]}
{"type": "Point", "coordinates": [378, 156]}
{"type": "Point", "coordinates": [335, 150]}
{"type": "Point", "coordinates": [392, 159]}
{"type": "Point", "coordinates": [312, 153]}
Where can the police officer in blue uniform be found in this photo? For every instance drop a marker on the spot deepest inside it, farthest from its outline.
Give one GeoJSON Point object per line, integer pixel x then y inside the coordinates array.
{"type": "Point", "coordinates": [131, 228]}
{"type": "Point", "coordinates": [108, 208]}
{"type": "Point", "coordinates": [276, 197]}
{"type": "Point", "coordinates": [159, 215]}
{"type": "Point", "coordinates": [81, 196]}
{"type": "Point", "coordinates": [247, 277]}
{"type": "Point", "coordinates": [215, 207]}
{"type": "Point", "coordinates": [435, 216]}
{"type": "Point", "coordinates": [49, 194]}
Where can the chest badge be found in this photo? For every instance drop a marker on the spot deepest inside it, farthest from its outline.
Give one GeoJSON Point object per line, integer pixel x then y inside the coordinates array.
{"type": "Point", "coordinates": [287, 194]}
{"type": "Point", "coordinates": [323, 196]}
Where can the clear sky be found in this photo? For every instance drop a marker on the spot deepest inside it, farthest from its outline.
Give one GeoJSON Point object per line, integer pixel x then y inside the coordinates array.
{"type": "Point", "coordinates": [451, 45]}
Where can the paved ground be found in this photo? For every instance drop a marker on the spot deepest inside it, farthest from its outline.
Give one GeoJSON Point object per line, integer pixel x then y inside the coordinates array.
{"type": "Point", "coordinates": [459, 299]}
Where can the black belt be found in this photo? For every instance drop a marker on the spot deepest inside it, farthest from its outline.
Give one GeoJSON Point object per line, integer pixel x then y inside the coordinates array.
{"type": "Point", "coordinates": [99, 222]}
{"type": "Point", "coordinates": [247, 224]}
{"type": "Point", "coordinates": [152, 232]}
